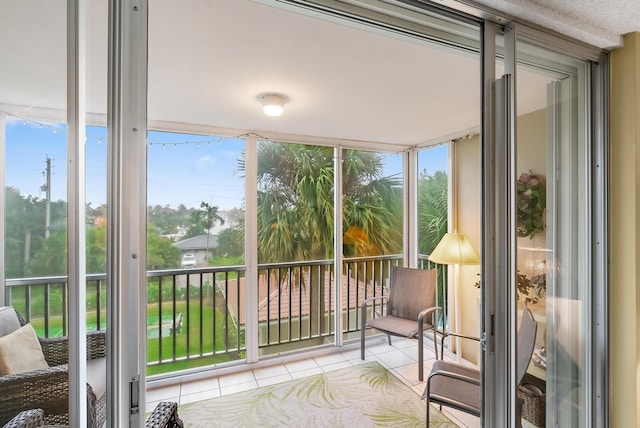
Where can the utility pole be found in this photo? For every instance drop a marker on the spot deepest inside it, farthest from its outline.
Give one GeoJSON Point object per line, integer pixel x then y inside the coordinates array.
{"type": "Point", "coordinates": [47, 188]}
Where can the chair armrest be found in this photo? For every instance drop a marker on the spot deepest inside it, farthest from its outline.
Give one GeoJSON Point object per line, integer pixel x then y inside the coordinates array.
{"type": "Point", "coordinates": [47, 389]}
{"type": "Point", "coordinates": [363, 307]}
{"type": "Point", "coordinates": [27, 419]}
{"type": "Point", "coordinates": [371, 299]}
{"type": "Point", "coordinates": [96, 344]}
{"type": "Point", "coordinates": [165, 415]}
{"type": "Point", "coordinates": [447, 374]}
{"type": "Point", "coordinates": [460, 335]}
{"type": "Point", "coordinates": [432, 310]}
{"type": "Point", "coordinates": [452, 375]}
{"type": "Point", "coordinates": [56, 349]}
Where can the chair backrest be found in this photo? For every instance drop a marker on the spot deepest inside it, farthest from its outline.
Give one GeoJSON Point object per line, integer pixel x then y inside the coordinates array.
{"type": "Point", "coordinates": [9, 320]}
{"type": "Point", "coordinates": [412, 290]}
{"type": "Point", "coordinates": [526, 341]}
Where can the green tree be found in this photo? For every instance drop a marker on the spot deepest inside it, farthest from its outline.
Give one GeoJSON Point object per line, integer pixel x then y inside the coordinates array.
{"type": "Point", "coordinates": [372, 206]}
{"type": "Point", "coordinates": [295, 203]}
{"type": "Point", "coordinates": [432, 210]}
{"type": "Point", "coordinates": [231, 242]}
{"type": "Point", "coordinates": [161, 253]}
{"type": "Point", "coordinates": [203, 220]}
{"type": "Point", "coordinates": [96, 250]}
{"type": "Point", "coordinates": [51, 258]}
{"type": "Point", "coordinates": [166, 219]}
{"type": "Point", "coordinates": [25, 228]}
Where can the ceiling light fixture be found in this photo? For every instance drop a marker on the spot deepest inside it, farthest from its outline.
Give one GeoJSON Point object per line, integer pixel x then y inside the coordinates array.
{"type": "Point", "coordinates": [272, 104]}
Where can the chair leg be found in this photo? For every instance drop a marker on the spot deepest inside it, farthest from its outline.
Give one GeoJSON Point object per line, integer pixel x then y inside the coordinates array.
{"type": "Point", "coordinates": [389, 338]}
{"type": "Point", "coordinates": [427, 420]}
{"type": "Point", "coordinates": [362, 343]}
{"type": "Point", "coordinates": [420, 356]}
{"type": "Point", "coordinates": [363, 320]}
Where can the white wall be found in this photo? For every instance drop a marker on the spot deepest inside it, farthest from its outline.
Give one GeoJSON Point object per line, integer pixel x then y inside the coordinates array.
{"type": "Point", "coordinates": [531, 155]}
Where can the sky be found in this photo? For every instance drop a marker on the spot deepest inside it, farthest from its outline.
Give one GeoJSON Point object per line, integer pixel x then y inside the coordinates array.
{"type": "Point", "coordinates": [182, 169]}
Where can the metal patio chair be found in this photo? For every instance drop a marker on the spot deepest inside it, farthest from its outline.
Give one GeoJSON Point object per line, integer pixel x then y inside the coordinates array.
{"type": "Point", "coordinates": [410, 309]}
{"type": "Point", "coordinates": [458, 386]}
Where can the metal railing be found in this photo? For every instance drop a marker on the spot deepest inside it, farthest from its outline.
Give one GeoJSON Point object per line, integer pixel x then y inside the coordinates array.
{"type": "Point", "coordinates": [197, 316]}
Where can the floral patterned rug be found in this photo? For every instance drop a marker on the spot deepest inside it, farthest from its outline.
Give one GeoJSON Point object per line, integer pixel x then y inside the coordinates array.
{"type": "Point", "coordinates": [367, 395]}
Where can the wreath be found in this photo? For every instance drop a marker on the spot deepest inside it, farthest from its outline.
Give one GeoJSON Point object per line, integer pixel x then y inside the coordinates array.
{"type": "Point", "coordinates": [531, 205]}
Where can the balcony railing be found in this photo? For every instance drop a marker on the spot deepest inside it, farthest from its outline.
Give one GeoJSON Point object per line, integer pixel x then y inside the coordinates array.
{"type": "Point", "coordinates": [197, 317]}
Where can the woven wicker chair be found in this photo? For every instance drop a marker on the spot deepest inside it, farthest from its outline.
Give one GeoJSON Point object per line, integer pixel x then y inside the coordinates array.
{"type": "Point", "coordinates": [410, 309]}
{"type": "Point", "coordinates": [48, 389]}
{"type": "Point", "coordinates": [33, 418]}
{"type": "Point", "coordinates": [165, 415]}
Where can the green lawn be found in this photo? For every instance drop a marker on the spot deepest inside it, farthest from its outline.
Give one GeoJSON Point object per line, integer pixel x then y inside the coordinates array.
{"type": "Point", "coordinates": [190, 328]}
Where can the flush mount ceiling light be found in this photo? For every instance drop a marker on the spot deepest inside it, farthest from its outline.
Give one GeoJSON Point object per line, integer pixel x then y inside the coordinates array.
{"type": "Point", "coordinates": [272, 104]}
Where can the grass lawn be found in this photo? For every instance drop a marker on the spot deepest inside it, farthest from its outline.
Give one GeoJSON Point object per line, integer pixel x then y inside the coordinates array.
{"type": "Point", "coordinates": [190, 329]}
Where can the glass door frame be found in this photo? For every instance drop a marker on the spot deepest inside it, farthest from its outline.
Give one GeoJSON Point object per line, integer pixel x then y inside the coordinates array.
{"type": "Point", "coordinates": [126, 215]}
{"type": "Point", "coordinates": [127, 124]}
{"type": "Point", "coordinates": [499, 269]}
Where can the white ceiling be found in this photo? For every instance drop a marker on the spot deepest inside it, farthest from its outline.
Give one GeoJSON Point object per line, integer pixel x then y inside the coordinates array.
{"type": "Point", "coordinates": [597, 22]}
{"type": "Point", "coordinates": [210, 59]}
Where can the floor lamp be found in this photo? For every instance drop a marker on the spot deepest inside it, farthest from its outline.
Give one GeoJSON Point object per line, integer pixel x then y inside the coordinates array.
{"type": "Point", "coordinates": [455, 249]}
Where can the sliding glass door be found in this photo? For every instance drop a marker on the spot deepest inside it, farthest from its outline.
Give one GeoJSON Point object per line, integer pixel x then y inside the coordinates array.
{"type": "Point", "coordinates": [553, 228]}
{"type": "Point", "coordinates": [547, 257]}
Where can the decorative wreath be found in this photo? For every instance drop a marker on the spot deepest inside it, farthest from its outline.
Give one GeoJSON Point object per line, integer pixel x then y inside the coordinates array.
{"type": "Point", "coordinates": [531, 205]}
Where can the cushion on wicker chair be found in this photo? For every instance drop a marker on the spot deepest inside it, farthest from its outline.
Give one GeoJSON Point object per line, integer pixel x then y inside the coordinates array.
{"type": "Point", "coordinates": [21, 352]}
{"type": "Point", "coordinates": [8, 320]}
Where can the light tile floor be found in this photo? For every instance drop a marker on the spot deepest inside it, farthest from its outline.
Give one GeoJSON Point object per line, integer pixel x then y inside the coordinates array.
{"type": "Point", "coordinates": [400, 358]}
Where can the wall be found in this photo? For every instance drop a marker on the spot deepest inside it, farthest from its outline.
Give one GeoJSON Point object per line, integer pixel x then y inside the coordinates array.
{"type": "Point", "coordinates": [531, 136]}
{"type": "Point", "coordinates": [467, 167]}
{"type": "Point", "coordinates": [624, 299]}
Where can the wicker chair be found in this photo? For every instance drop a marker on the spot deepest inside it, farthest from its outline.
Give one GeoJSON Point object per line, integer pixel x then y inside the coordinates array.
{"type": "Point", "coordinates": [165, 415]}
{"type": "Point", "coordinates": [48, 389]}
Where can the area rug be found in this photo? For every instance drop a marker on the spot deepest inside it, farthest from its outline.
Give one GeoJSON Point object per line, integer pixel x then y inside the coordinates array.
{"type": "Point", "coordinates": [366, 395]}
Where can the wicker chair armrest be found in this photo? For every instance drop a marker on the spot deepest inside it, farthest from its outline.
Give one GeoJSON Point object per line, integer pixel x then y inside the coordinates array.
{"type": "Point", "coordinates": [47, 389]}
{"type": "Point", "coordinates": [27, 419]}
{"type": "Point", "coordinates": [96, 344]}
{"type": "Point", "coordinates": [56, 349]}
{"type": "Point", "coordinates": [165, 415]}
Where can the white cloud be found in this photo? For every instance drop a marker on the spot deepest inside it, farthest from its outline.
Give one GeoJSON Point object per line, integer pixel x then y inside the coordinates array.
{"type": "Point", "coordinates": [204, 161]}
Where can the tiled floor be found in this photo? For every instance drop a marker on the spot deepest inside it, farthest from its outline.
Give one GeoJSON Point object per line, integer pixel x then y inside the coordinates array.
{"type": "Point", "coordinates": [400, 358]}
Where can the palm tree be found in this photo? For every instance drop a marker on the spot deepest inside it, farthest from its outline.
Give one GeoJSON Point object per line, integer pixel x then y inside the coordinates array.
{"type": "Point", "coordinates": [433, 210]}
{"type": "Point", "coordinates": [206, 218]}
{"type": "Point", "coordinates": [372, 206]}
{"type": "Point", "coordinates": [295, 203]}
{"type": "Point", "coordinates": [432, 219]}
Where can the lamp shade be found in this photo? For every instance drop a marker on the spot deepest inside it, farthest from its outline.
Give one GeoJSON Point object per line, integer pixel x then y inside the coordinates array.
{"type": "Point", "coordinates": [454, 249]}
